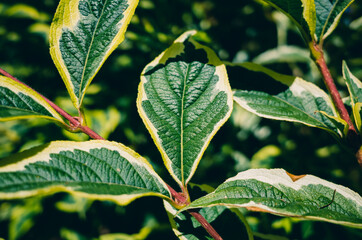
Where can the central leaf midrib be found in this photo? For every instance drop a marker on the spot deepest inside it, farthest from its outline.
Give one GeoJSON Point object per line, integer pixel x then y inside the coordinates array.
{"type": "Point", "coordinates": [88, 53]}
{"type": "Point", "coordinates": [182, 123]}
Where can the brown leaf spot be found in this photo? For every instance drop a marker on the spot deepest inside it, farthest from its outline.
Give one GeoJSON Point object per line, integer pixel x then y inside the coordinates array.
{"type": "Point", "coordinates": [295, 177]}
{"type": "Point", "coordinates": [256, 209]}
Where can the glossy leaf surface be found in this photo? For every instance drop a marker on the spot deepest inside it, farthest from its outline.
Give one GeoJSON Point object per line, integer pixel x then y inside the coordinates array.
{"type": "Point", "coordinates": [96, 169]}
{"type": "Point", "coordinates": [278, 192]}
{"type": "Point", "coordinates": [292, 99]}
{"type": "Point", "coordinates": [83, 34]}
{"type": "Point", "coordinates": [19, 102]}
{"type": "Point", "coordinates": [184, 98]}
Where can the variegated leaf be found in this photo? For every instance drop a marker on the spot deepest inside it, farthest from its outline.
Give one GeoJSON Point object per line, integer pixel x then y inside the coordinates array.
{"type": "Point", "coordinates": [355, 91]}
{"type": "Point", "coordinates": [184, 98]}
{"type": "Point", "coordinates": [328, 15]}
{"type": "Point", "coordinates": [18, 101]}
{"type": "Point", "coordinates": [316, 19]}
{"type": "Point", "coordinates": [301, 12]}
{"type": "Point", "coordinates": [82, 36]}
{"type": "Point", "coordinates": [279, 192]}
{"type": "Point", "coordinates": [297, 101]}
{"type": "Point", "coordinates": [97, 169]}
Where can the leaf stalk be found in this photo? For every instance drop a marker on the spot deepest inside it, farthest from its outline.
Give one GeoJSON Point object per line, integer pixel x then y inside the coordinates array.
{"type": "Point", "coordinates": [74, 122]}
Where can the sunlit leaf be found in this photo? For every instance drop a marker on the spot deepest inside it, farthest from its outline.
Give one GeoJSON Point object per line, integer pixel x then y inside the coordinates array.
{"type": "Point", "coordinates": [99, 170]}
{"type": "Point", "coordinates": [292, 99]}
{"type": "Point", "coordinates": [82, 36]}
{"type": "Point", "coordinates": [184, 98]}
{"type": "Point", "coordinates": [278, 192]}
{"type": "Point", "coordinates": [19, 102]}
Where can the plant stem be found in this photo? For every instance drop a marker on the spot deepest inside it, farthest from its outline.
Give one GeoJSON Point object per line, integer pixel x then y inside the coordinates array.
{"type": "Point", "coordinates": [205, 224]}
{"type": "Point", "coordinates": [182, 200]}
{"type": "Point", "coordinates": [74, 122]}
{"type": "Point", "coordinates": [317, 53]}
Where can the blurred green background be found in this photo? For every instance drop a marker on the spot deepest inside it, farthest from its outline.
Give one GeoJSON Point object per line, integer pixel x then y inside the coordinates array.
{"type": "Point", "coordinates": [238, 31]}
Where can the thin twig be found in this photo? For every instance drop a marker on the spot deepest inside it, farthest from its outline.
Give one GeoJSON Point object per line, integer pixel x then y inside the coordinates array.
{"type": "Point", "coordinates": [352, 135]}
{"type": "Point", "coordinates": [72, 120]}
{"type": "Point", "coordinates": [180, 199]}
{"type": "Point", "coordinates": [205, 224]}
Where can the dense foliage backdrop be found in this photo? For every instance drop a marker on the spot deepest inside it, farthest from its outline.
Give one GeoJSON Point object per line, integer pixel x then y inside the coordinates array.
{"type": "Point", "coordinates": [238, 31]}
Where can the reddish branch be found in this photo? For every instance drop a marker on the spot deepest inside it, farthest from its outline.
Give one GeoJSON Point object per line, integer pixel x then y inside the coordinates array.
{"type": "Point", "coordinates": [205, 224]}
{"type": "Point", "coordinates": [74, 122]}
{"type": "Point", "coordinates": [317, 53]}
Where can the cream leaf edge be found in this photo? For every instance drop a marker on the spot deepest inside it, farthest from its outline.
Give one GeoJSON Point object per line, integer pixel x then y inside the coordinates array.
{"type": "Point", "coordinates": [42, 153]}
{"type": "Point", "coordinates": [16, 88]}
{"type": "Point", "coordinates": [63, 20]}
{"type": "Point", "coordinates": [222, 85]}
{"type": "Point", "coordinates": [281, 177]}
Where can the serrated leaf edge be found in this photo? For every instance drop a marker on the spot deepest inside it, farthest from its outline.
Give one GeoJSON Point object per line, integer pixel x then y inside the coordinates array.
{"type": "Point", "coordinates": [70, 21]}
{"type": "Point", "coordinates": [293, 83]}
{"type": "Point", "coordinates": [220, 70]}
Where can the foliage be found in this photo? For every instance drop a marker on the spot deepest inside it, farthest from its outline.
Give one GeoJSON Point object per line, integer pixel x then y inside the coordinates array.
{"type": "Point", "coordinates": [184, 97]}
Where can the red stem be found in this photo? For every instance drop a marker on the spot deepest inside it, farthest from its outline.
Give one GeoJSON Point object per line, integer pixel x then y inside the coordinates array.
{"type": "Point", "coordinates": [334, 92]}
{"type": "Point", "coordinates": [72, 120]}
{"type": "Point", "coordinates": [205, 224]}
{"type": "Point", "coordinates": [182, 200]}
{"type": "Point", "coordinates": [352, 135]}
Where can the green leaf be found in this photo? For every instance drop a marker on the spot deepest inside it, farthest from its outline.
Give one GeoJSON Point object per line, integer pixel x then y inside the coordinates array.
{"type": "Point", "coordinates": [278, 192]}
{"type": "Point", "coordinates": [328, 16]}
{"type": "Point", "coordinates": [301, 12]}
{"type": "Point", "coordinates": [83, 34]}
{"type": "Point", "coordinates": [184, 98]}
{"type": "Point", "coordinates": [291, 99]}
{"type": "Point", "coordinates": [18, 101]}
{"type": "Point", "coordinates": [316, 19]}
{"type": "Point", "coordinates": [355, 90]}
{"type": "Point", "coordinates": [98, 170]}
